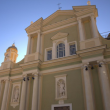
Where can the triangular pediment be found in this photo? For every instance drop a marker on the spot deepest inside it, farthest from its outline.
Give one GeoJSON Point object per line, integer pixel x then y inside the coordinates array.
{"type": "Point", "coordinates": [58, 16]}
{"type": "Point", "coordinates": [59, 36]}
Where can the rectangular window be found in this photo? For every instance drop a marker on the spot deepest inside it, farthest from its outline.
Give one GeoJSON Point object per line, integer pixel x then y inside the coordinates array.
{"type": "Point", "coordinates": [72, 49]}
{"type": "Point", "coordinates": [49, 55]}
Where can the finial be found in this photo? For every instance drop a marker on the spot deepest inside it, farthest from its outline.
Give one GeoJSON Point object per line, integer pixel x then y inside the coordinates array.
{"type": "Point", "coordinates": [89, 3]}
{"type": "Point", "coordinates": [13, 44]}
{"type": "Point", "coordinates": [31, 22]}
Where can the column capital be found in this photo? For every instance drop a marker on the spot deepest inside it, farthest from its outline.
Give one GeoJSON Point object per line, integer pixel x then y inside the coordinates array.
{"type": "Point", "coordinates": [35, 74]}
{"type": "Point", "coordinates": [29, 35]}
{"type": "Point", "coordinates": [86, 64]}
{"type": "Point", "coordinates": [92, 15]}
{"type": "Point", "coordinates": [38, 32]}
{"type": "Point", "coordinates": [101, 61]}
{"type": "Point", "coordinates": [24, 75]}
{"type": "Point", "coordinates": [79, 18]}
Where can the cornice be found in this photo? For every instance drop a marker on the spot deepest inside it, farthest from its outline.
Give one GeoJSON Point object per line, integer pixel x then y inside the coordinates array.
{"type": "Point", "coordinates": [60, 27]}
{"type": "Point", "coordinates": [35, 26]}
{"type": "Point", "coordinates": [17, 70]}
{"type": "Point", "coordinates": [31, 64]}
{"type": "Point", "coordinates": [84, 12]}
{"type": "Point", "coordinates": [60, 23]}
{"type": "Point", "coordinates": [5, 71]}
{"type": "Point", "coordinates": [92, 51]}
{"type": "Point", "coordinates": [59, 61]}
{"type": "Point", "coordinates": [59, 35]}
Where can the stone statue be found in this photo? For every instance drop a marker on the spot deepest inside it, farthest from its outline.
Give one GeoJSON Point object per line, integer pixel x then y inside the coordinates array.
{"type": "Point", "coordinates": [61, 87]}
{"type": "Point", "coordinates": [16, 94]}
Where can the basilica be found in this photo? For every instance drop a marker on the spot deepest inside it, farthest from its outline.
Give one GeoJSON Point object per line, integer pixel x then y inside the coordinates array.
{"type": "Point", "coordinates": [66, 67]}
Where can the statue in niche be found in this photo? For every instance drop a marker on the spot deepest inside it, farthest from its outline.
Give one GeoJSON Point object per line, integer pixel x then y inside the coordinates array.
{"type": "Point", "coordinates": [61, 87]}
{"type": "Point", "coordinates": [16, 94]}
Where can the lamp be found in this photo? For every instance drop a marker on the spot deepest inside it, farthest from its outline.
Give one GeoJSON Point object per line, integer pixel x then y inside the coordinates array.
{"type": "Point", "coordinates": [86, 68]}
{"type": "Point", "coordinates": [92, 67]}
{"type": "Point", "coordinates": [100, 65]}
{"type": "Point", "coordinates": [24, 79]}
{"type": "Point", "coordinates": [33, 78]}
{"type": "Point", "coordinates": [28, 78]}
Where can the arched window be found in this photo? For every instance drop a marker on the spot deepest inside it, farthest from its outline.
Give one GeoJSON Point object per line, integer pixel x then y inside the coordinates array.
{"type": "Point", "coordinates": [60, 50]}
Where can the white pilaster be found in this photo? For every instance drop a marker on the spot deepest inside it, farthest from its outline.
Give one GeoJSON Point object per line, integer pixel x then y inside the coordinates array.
{"type": "Point", "coordinates": [0, 86]}
{"type": "Point", "coordinates": [5, 95]}
{"type": "Point", "coordinates": [80, 29]}
{"type": "Point", "coordinates": [23, 94]}
{"type": "Point", "coordinates": [35, 92]}
{"type": "Point", "coordinates": [38, 43]}
{"type": "Point", "coordinates": [88, 89]}
{"type": "Point", "coordinates": [94, 28]}
{"type": "Point", "coordinates": [66, 48]}
{"type": "Point", "coordinates": [29, 44]}
{"type": "Point", "coordinates": [54, 50]}
{"type": "Point", "coordinates": [39, 91]}
{"type": "Point", "coordinates": [105, 86]}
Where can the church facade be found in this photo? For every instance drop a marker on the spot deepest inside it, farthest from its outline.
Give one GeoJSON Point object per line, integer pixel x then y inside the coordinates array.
{"type": "Point", "coordinates": [66, 67]}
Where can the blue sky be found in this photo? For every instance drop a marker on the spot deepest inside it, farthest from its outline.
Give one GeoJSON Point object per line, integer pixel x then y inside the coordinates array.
{"type": "Point", "coordinates": [16, 15]}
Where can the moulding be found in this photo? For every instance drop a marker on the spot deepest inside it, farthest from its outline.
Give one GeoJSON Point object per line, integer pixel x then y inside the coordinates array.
{"type": "Point", "coordinates": [90, 51]}
{"type": "Point", "coordinates": [59, 23]}
{"type": "Point", "coordinates": [58, 12]}
{"type": "Point", "coordinates": [59, 36]}
{"type": "Point", "coordinates": [30, 71]}
{"type": "Point", "coordinates": [45, 54]}
{"type": "Point", "coordinates": [4, 71]}
{"type": "Point", "coordinates": [31, 64]}
{"type": "Point", "coordinates": [16, 70]}
{"type": "Point", "coordinates": [35, 26]}
{"type": "Point", "coordinates": [60, 87]}
{"type": "Point", "coordinates": [14, 104]}
{"type": "Point", "coordinates": [60, 27]}
{"type": "Point", "coordinates": [16, 77]}
{"type": "Point", "coordinates": [73, 57]}
{"type": "Point", "coordinates": [61, 105]}
{"type": "Point", "coordinates": [49, 71]}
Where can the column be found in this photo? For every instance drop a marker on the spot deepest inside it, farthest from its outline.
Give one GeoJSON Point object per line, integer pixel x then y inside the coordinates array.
{"type": "Point", "coordinates": [38, 43]}
{"type": "Point", "coordinates": [53, 50]}
{"type": "Point", "coordinates": [39, 91]}
{"type": "Point", "coordinates": [0, 86]}
{"type": "Point", "coordinates": [3, 107]}
{"type": "Point", "coordinates": [23, 93]}
{"type": "Point", "coordinates": [29, 44]}
{"type": "Point", "coordinates": [105, 87]}
{"type": "Point", "coordinates": [94, 28]}
{"type": "Point", "coordinates": [80, 30]}
{"type": "Point", "coordinates": [35, 92]}
{"type": "Point", "coordinates": [88, 88]}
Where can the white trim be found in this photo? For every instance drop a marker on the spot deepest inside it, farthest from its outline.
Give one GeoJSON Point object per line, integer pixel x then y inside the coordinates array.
{"type": "Point", "coordinates": [63, 97]}
{"type": "Point", "coordinates": [61, 68]}
{"type": "Point", "coordinates": [45, 55]}
{"type": "Point", "coordinates": [14, 104]}
{"type": "Point", "coordinates": [30, 71]}
{"type": "Point", "coordinates": [64, 26]}
{"type": "Point", "coordinates": [61, 105]}
{"type": "Point", "coordinates": [16, 77]}
{"type": "Point", "coordinates": [69, 43]}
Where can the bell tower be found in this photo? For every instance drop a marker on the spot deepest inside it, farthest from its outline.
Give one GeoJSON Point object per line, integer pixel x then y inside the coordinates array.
{"type": "Point", "coordinates": [11, 54]}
